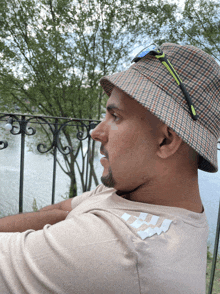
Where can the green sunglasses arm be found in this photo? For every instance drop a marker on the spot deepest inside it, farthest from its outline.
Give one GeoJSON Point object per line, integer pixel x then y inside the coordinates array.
{"type": "Point", "coordinates": [163, 59]}
{"type": "Point", "coordinates": [189, 101]}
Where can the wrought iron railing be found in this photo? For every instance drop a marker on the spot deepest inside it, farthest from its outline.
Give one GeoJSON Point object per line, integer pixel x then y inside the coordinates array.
{"type": "Point", "coordinates": [18, 124]}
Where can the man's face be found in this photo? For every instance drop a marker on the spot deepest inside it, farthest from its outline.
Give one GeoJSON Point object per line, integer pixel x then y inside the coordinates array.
{"type": "Point", "coordinates": [128, 141]}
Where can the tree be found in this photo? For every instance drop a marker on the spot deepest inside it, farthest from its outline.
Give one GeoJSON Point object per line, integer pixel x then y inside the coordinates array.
{"type": "Point", "coordinates": [197, 23]}
{"type": "Point", "coordinates": [53, 53]}
{"type": "Point", "coordinates": [200, 25]}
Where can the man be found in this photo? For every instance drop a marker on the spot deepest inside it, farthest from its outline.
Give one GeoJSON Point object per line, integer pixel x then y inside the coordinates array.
{"type": "Point", "coordinates": [143, 230]}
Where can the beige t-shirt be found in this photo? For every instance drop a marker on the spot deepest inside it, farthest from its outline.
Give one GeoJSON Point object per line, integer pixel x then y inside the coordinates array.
{"type": "Point", "coordinates": [108, 244]}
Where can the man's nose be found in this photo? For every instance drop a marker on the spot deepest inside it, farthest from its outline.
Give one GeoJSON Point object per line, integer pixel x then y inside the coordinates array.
{"type": "Point", "coordinates": [97, 133]}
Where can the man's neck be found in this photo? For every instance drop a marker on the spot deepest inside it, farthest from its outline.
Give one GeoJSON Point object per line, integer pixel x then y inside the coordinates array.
{"type": "Point", "coordinates": [195, 207]}
{"type": "Point", "coordinates": [175, 193]}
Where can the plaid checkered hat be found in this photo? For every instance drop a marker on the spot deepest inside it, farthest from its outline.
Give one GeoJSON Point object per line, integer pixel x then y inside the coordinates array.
{"type": "Point", "coordinates": [151, 84]}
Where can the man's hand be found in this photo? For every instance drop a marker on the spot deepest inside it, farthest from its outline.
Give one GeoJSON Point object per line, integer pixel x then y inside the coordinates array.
{"type": "Point", "coordinates": [51, 214]}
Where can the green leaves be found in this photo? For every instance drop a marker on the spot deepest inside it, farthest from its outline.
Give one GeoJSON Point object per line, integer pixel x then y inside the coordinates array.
{"type": "Point", "coordinates": [201, 25]}
{"type": "Point", "coordinates": [57, 50]}
{"type": "Point", "coordinates": [196, 23]}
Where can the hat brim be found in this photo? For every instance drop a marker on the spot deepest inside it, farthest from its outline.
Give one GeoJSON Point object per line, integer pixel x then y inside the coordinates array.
{"type": "Point", "coordinates": [159, 103]}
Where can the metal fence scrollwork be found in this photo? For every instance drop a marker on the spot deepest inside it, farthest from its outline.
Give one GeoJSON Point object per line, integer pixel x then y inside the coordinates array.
{"type": "Point", "coordinates": [3, 144]}
{"type": "Point", "coordinates": [19, 124]}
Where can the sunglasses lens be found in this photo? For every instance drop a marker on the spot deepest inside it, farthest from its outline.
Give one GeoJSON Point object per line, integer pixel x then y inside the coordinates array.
{"type": "Point", "coordinates": [146, 51]}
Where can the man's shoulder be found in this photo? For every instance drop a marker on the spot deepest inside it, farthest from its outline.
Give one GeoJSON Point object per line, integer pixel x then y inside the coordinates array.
{"type": "Point", "coordinates": [86, 195]}
{"type": "Point", "coordinates": [101, 188]}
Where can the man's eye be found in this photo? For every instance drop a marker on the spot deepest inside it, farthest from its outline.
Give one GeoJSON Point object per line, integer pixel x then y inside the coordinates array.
{"type": "Point", "coordinates": [115, 116]}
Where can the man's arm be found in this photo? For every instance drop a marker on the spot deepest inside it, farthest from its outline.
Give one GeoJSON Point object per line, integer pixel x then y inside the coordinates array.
{"type": "Point", "coordinates": [63, 205]}
{"type": "Point", "coordinates": [36, 220]}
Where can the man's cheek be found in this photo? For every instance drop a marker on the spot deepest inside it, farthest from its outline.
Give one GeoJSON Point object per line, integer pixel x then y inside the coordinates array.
{"type": "Point", "coordinates": [113, 126]}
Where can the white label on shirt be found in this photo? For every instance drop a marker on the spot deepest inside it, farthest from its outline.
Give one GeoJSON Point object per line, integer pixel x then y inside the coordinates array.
{"type": "Point", "coordinates": [149, 231]}
{"type": "Point", "coordinates": [125, 216]}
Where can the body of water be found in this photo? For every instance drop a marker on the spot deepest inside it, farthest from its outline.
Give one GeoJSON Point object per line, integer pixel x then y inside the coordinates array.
{"type": "Point", "coordinates": [38, 182]}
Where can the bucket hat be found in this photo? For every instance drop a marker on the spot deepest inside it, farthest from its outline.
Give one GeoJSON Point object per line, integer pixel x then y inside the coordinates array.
{"type": "Point", "coordinates": [149, 82]}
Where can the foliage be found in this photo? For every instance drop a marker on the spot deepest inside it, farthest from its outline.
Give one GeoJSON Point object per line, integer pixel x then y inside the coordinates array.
{"type": "Point", "coordinates": [53, 52]}
{"type": "Point", "coordinates": [196, 23]}
{"type": "Point", "coordinates": [34, 205]}
{"type": "Point", "coordinates": [200, 25]}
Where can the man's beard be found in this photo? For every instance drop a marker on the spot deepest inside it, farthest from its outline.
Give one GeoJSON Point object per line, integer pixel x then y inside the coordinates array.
{"type": "Point", "coordinates": [108, 180]}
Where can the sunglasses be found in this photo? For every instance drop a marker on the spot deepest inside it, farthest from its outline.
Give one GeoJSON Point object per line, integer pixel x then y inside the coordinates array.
{"type": "Point", "coordinates": [158, 53]}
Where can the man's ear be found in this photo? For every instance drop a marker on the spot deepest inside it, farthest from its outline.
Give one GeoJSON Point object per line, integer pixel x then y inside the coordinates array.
{"type": "Point", "coordinates": [169, 142]}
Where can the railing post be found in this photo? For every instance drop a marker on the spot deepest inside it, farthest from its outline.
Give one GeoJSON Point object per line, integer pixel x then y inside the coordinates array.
{"type": "Point", "coordinates": [55, 138]}
{"type": "Point", "coordinates": [87, 163]}
{"type": "Point", "coordinates": [215, 253]}
{"type": "Point", "coordinates": [21, 184]}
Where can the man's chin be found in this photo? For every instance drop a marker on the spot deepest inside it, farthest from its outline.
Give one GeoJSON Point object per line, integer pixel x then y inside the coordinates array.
{"type": "Point", "coordinates": [108, 180]}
